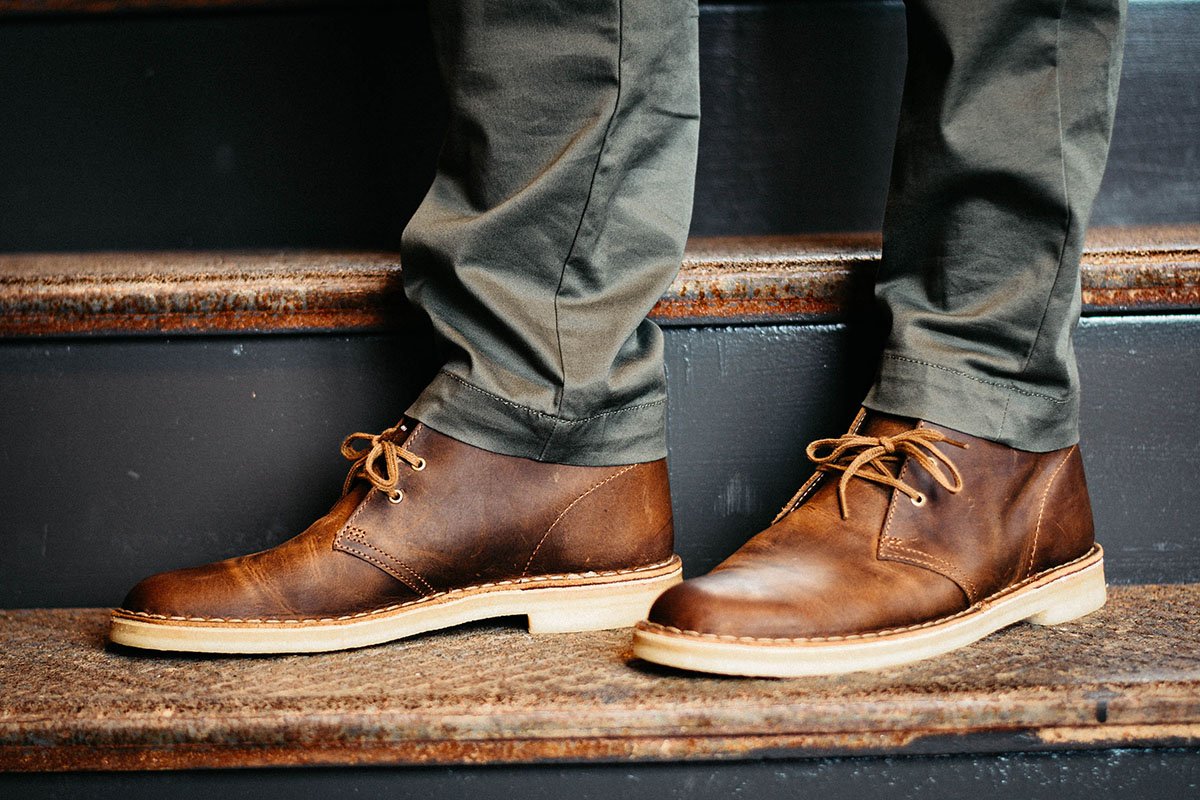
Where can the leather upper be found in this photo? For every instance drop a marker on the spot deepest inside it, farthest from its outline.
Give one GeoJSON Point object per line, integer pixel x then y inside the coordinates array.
{"type": "Point", "coordinates": [891, 563]}
{"type": "Point", "coordinates": [468, 517]}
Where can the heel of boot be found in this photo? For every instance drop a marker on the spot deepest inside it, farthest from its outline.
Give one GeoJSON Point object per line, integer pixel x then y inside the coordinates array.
{"type": "Point", "coordinates": [1073, 597]}
{"type": "Point", "coordinates": [597, 608]}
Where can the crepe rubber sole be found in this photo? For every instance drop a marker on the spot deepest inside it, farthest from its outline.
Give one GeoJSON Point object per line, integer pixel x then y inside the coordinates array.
{"type": "Point", "coordinates": [552, 604]}
{"type": "Point", "coordinates": [1056, 596]}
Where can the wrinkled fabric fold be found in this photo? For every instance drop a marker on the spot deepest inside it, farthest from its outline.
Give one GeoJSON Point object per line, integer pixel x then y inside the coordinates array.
{"type": "Point", "coordinates": [1002, 142]}
{"type": "Point", "coordinates": [556, 220]}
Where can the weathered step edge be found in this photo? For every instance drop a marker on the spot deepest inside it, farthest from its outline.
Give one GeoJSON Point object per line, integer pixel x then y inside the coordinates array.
{"type": "Point", "coordinates": [1127, 676]}
{"type": "Point", "coordinates": [807, 279]}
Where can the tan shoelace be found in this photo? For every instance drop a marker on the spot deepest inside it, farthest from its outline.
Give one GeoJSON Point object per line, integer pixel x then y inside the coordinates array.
{"type": "Point", "coordinates": [366, 461]}
{"type": "Point", "coordinates": [869, 457]}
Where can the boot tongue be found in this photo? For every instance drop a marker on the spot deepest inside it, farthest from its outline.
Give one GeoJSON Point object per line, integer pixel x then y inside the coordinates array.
{"type": "Point", "coordinates": [400, 432]}
{"type": "Point", "coordinates": [878, 424]}
{"type": "Point", "coordinates": [874, 424]}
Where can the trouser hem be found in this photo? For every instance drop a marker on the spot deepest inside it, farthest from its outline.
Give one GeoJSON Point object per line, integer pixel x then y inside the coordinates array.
{"type": "Point", "coordinates": [629, 435]}
{"type": "Point", "coordinates": [989, 409]}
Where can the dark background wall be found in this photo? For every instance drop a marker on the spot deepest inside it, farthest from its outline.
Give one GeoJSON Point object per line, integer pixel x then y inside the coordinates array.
{"type": "Point", "coordinates": [319, 126]}
{"type": "Point", "coordinates": [123, 457]}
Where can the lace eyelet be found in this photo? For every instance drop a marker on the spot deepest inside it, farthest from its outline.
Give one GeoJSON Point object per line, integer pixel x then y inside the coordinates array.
{"type": "Point", "coordinates": [395, 496]}
{"type": "Point", "coordinates": [919, 500]}
{"type": "Point", "coordinates": [420, 465]}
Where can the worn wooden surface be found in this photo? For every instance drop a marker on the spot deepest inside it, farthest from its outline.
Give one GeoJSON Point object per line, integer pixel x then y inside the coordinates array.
{"type": "Point", "coordinates": [820, 278]}
{"type": "Point", "coordinates": [1128, 675]}
{"type": "Point", "coordinates": [132, 293]}
{"type": "Point", "coordinates": [816, 278]}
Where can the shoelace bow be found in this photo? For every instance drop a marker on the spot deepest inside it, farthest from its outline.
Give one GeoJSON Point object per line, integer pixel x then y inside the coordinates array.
{"type": "Point", "coordinates": [868, 457]}
{"type": "Point", "coordinates": [366, 460]}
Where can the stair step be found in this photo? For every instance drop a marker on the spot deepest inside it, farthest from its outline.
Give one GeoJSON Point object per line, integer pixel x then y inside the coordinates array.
{"type": "Point", "coordinates": [824, 278]}
{"type": "Point", "coordinates": [187, 449]}
{"type": "Point", "coordinates": [1126, 676]}
{"type": "Point", "coordinates": [814, 278]}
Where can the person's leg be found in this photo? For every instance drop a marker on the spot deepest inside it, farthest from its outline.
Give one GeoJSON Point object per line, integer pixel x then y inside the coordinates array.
{"type": "Point", "coordinates": [529, 478]}
{"type": "Point", "coordinates": [557, 219]}
{"type": "Point", "coordinates": [1003, 136]}
{"type": "Point", "coordinates": [956, 504]}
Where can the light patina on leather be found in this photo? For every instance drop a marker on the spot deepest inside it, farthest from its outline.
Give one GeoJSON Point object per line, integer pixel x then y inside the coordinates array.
{"type": "Point", "coordinates": [465, 517]}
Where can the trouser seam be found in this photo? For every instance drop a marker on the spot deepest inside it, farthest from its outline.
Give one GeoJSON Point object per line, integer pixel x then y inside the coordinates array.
{"type": "Point", "coordinates": [587, 204]}
{"type": "Point", "coordinates": [553, 418]}
{"type": "Point", "coordinates": [968, 376]}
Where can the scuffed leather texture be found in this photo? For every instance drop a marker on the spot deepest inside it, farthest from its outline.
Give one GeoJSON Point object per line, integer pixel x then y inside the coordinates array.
{"type": "Point", "coordinates": [891, 564]}
{"type": "Point", "coordinates": [302, 578]}
{"type": "Point", "coordinates": [474, 516]}
{"type": "Point", "coordinates": [1002, 526]}
{"type": "Point", "coordinates": [469, 517]}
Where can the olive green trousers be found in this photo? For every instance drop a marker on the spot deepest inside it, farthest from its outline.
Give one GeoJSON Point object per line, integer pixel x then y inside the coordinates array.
{"type": "Point", "coordinates": [563, 194]}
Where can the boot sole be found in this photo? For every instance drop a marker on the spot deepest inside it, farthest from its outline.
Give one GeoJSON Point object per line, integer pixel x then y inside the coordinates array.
{"type": "Point", "coordinates": [1051, 598]}
{"type": "Point", "coordinates": [552, 604]}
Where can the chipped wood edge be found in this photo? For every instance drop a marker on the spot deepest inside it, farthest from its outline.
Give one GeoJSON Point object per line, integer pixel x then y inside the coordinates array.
{"type": "Point", "coordinates": [809, 279]}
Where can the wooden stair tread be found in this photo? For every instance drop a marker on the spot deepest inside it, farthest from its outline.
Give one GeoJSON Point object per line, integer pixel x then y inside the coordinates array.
{"type": "Point", "coordinates": [723, 280]}
{"type": "Point", "coordinates": [1128, 675]}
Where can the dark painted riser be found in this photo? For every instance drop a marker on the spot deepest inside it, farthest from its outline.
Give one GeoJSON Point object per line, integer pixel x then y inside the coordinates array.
{"type": "Point", "coordinates": [125, 132]}
{"type": "Point", "coordinates": [123, 457]}
{"type": "Point", "coordinates": [1158, 774]}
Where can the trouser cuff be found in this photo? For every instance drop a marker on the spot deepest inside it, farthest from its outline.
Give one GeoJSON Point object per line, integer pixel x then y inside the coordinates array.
{"type": "Point", "coordinates": [629, 435]}
{"type": "Point", "coordinates": [1008, 414]}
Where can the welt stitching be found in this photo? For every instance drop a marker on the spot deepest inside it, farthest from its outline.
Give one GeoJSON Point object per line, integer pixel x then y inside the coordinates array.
{"type": "Point", "coordinates": [560, 420]}
{"type": "Point", "coordinates": [559, 518]}
{"type": "Point", "coordinates": [1042, 508]}
{"type": "Point", "coordinates": [961, 374]}
{"type": "Point", "coordinates": [975, 607]}
{"type": "Point", "coordinates": [561, 576]}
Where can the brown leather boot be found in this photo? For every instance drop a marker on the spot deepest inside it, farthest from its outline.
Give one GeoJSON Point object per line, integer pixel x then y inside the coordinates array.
{"type": "Point", "coordinates": [430, 532]}
{"type": "Point", "coordinates": [928, 541]}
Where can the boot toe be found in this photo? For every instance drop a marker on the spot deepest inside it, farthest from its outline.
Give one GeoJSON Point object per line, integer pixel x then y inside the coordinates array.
{"type": "Point", "coordinates": [183, 593]}
{"type": "Point", "coordinates": [719, 604]}
{"type": "Point", "coordinates": [816, 602]}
